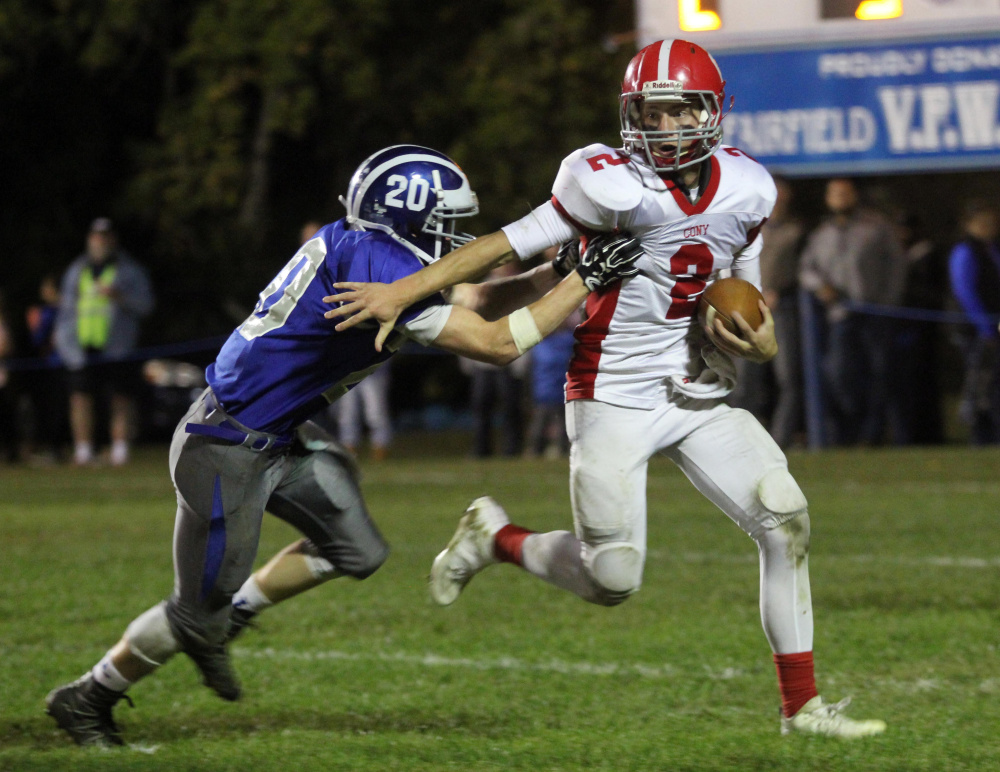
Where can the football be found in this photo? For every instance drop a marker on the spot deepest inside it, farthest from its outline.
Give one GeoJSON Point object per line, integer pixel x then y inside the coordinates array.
{"type": "Point", "coordinates": [724, 296]}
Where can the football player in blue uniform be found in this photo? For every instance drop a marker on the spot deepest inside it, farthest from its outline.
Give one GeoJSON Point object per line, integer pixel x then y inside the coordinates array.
{"type": "Point", "coordinates": [246, 445]}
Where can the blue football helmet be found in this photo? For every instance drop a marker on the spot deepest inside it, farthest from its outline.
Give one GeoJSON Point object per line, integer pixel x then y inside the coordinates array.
{"type": "Point", "coordinates": [415, 195]}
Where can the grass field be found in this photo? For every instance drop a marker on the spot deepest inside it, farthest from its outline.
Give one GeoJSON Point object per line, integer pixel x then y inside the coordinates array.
{"type": "Point", "coordinates": [516, 675]}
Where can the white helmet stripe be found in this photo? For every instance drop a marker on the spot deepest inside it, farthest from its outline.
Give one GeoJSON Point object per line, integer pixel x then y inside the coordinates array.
{"type": "Point", "coordinates": [663, 69]}
{"type": "Point", "coordinates": [375, 173]}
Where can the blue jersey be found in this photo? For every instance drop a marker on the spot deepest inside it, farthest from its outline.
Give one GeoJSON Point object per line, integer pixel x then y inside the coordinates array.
{"type": "Point", "coordinates": [286, 361]}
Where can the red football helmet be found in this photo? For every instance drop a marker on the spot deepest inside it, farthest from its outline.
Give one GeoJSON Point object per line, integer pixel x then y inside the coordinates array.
{"type": "Point", "coordinates": [673, 71]}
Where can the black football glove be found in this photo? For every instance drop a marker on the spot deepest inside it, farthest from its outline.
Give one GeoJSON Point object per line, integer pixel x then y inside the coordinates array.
{"type": "Point", "coordinates": [608, 258]}
{"type": "Point", "coordinates": [567, 258]}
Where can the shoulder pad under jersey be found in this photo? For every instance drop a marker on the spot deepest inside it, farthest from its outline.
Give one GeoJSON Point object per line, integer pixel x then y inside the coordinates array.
{"type": "Point", "coordinates": [595, 183]}
{"type": "Point", "coordinates": [752, 179]}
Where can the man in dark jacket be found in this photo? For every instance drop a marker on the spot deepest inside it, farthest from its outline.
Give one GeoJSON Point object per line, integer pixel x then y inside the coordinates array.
{"type": "Point", "coordinates": [974, 270]}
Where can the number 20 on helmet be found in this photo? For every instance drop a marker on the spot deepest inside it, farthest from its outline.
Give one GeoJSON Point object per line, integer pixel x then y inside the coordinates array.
{"type": "Point", "coordinates": [415, 195]}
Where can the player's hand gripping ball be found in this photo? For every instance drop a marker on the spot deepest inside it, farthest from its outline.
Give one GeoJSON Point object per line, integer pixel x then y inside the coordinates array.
{"type": "Point", "coordinates": [723, 297]}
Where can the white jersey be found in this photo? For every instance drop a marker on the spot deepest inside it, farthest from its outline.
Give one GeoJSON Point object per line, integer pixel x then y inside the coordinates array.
{"type": "Point", "coordinates": [641, 332]}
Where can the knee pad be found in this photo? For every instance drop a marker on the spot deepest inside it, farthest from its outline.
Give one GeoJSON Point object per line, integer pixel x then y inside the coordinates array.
{"type": "Point", "coordinates": [367, 563]}
{"type": "Point", "coordinates": [790, 539]}
{"type": "Point", "coordinates": [787, 518]}
{"type": "Point", "coordinates": [781, 496]}
{"type": "Point", "coordinates": [616, 568]}
{"type": "Point", "coordinates": [150, 637]}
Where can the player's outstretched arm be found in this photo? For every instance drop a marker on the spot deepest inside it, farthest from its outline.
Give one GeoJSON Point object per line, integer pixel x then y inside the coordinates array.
{"type": "Point", "coordinates": [758, 345]}
{"type": "Point", "coordinates": [607, 259]}
{"type": "Point", "coordinates": [496, 298]}
{"type": "Point", "coordinates": [385, 302]}
{"type": "Point", "coordinates": [501, 342]}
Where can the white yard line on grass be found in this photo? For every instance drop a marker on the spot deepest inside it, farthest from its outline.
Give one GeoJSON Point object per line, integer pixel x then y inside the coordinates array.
{"type": "Point", "coordinates": [934, 487]}
{"type": "Point", "coordinates": [989, 686]}
{"type": "Point", "coordinates": [467, 663]}
{"type": "Point", "coordinates": [937, 561]}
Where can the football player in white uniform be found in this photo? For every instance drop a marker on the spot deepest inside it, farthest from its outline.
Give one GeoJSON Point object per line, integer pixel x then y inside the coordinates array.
{"type": "Point", "coordinates": [645, 378]}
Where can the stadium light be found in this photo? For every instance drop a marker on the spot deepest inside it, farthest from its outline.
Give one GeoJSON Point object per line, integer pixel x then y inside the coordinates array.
{"type": "Point", "coordinates": [694, 19]}
{"type": "Point", "coordinates": [879, 9]}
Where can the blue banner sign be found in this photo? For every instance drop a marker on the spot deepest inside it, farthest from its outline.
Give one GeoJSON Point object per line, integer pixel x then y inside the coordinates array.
{"type": "Point", "coordinates": [928, 106]}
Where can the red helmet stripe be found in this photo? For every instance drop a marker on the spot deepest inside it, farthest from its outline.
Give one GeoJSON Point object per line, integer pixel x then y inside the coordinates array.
{"type": "Point", "coordinates": [694, 67]}
{"type": "Point", "coordinates": [671, 51]}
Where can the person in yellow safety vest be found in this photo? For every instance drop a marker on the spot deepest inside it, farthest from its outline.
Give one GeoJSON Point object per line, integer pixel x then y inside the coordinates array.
{"type": "Point", "coordinates": [105, 294]}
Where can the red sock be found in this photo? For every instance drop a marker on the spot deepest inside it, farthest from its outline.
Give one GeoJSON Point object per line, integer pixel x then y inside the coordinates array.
{"type": "Point", "coordinates": [796, 680]}
{"type": "Point", "coordinates": [508, 542]}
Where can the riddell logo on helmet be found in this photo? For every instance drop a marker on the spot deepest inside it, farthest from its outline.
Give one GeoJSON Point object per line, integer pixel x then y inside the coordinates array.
{"type": "Point", "coordinates": [669, 85]}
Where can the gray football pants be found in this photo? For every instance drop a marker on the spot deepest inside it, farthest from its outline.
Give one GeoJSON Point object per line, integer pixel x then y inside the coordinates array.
{"type": "Point", "coordinates": [222, 493]}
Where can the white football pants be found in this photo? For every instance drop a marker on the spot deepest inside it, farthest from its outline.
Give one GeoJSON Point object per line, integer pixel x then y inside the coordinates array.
{"type": "Point", "coordinates": [728, 456]}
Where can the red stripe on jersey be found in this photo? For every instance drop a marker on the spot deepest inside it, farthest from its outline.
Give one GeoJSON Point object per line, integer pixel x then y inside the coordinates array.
{"type": "Point", "coordinates": [650, 68]}
{"type": "Point", "coordinates": [707, 195]}
{"type": "Point", "coordinates": [590, 336]}
{"type": "Point", "coordinates": [753, 233]}
{"type": "Point", "coordinates": [571, 220]}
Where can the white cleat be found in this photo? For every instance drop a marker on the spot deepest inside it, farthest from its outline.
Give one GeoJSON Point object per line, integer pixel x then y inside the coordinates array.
{"type": "Point", "coordinates": [469, 551]}
{"type": "Point", "coordinates": [818, 717]}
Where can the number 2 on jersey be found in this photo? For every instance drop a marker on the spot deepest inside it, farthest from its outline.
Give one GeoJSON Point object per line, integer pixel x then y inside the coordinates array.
{"type": "Point", "coordinates": [692, 265]}
{"type": "Point", "coordinates": [605, 161]}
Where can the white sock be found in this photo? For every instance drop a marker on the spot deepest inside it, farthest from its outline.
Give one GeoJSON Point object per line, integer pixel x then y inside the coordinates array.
{"type": "Point", "coordinates": [251, 597]}
{"type": "Point", "coordinates": [83, 452]}
{"type": "Point", "coordinates": [119, 452]}
{"type": "Point", "coordinates": [107, 675]}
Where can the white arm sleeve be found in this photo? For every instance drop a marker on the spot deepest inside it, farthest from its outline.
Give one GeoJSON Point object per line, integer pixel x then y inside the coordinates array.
{"type": "Point", "coordinates": [427, 325]}
{"type": "Point", "coordinates": [544, 227]}
{"type": "Point", "coordinates": [746, 263]}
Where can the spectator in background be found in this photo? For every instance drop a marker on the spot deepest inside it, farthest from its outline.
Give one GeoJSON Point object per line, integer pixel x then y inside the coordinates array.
{"type": "Point", "coordinates": [855, 257]}
{"type": "Point", "coordinates": [496, 390]}
{"type": "Point", "coordinates": [549, 363]}
{"type": "Point", "coordinates": [917, 412]}
{"type": "Point", "coordinates": [547, 370]}
{"type": "Point", "coordinates": [46, 387]}
{"type": "Point", "coordinates": [9, 440]}
{"type": "Point", "coordinates": [104, 295]}
{"type": "Point", "coordinates": [974, 270]}
{"type": "Point", "coordinates": [367, 404]}
{"type": "Point", "coordinates": [309, 230]}
{"type": "Point", "coordinates": [772, 391]}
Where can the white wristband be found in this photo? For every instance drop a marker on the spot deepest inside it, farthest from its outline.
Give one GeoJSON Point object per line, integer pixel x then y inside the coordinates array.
{"type": "Point", "coordinates": [523, 330]}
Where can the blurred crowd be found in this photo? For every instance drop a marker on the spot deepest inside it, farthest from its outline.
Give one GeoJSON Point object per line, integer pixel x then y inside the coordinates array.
{"type": "Point", "coordinates": [880, 305]}
{"type": "Point", "coordinates": [879, 310]}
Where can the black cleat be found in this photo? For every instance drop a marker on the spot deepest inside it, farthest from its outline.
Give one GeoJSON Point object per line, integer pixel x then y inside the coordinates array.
{"type": "Point", "coordinates": [239, 620]}
{"type": "Point", "coordinates": [83, 709]}
{"type": "Point", "coordinates": [212, 661]}
{"type": "Point", "coordinates": [216, 670]}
